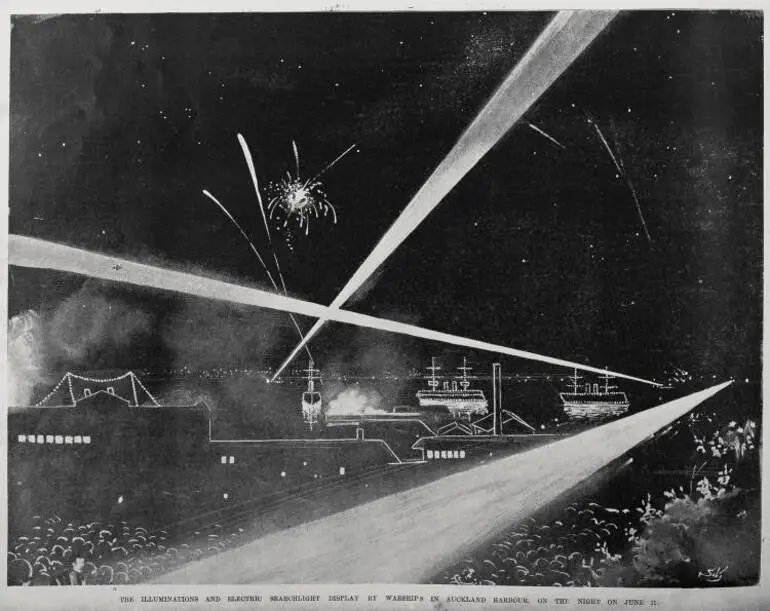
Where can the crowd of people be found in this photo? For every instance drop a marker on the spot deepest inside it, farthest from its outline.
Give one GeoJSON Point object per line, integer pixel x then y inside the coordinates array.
{"type": "Point", "coordinates": [54, 552]}
{"type": "Point", "coordinates": [568, 551]}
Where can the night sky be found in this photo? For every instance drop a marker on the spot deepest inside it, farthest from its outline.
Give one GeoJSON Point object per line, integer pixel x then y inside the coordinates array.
{"type": "Point", "coordinates": [119, 121]}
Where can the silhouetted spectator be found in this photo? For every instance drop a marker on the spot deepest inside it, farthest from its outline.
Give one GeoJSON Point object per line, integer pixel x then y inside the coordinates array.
{"type": "Point", "coordinates": [19, 572]}
{"type": "Point", "coordinates": [77, 576]}
{"type": "Point", "coordinates": [104, 575]}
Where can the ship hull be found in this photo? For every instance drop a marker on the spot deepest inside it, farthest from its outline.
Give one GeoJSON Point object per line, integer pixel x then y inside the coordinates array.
{"type": "Point", "coordinates": [587, 406]}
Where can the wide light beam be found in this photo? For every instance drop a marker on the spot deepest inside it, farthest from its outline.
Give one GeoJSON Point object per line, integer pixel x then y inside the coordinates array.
{"type": "Point", "coordinates": [562, 41]}
{"type": "Point", "coordinates": [35, 253]}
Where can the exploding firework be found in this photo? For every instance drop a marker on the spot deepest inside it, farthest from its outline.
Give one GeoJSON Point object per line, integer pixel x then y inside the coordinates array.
{"type": "Point", "coordinates": [295, 199]}
{"type": "Point", "coordinates": [300, 200]}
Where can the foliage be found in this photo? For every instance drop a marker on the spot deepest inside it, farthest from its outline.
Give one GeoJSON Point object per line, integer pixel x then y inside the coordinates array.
{"type": "Point", "coordinates": [703, 534]}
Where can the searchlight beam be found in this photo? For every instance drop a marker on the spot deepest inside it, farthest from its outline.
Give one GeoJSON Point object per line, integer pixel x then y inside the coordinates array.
{"type": "Point", "coordinates": [410, 536]}
{"type": "Point", "coordinates": [35, 253]}
{"type": "Point", "coordinates": [562, 41]}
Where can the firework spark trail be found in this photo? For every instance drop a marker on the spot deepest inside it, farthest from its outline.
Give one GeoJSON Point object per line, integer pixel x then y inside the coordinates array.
{"type": "Point", "coordinates": [560, 43]}
{"type": "Point", "coordinates": [243, 233]}
{"type": "Point", "coordinates": [256, 252]}
{"type": "Point", "coordinates": [622, 171]}
{"type": "Point", "coordinates": [255, 182]}
{"type": "Point", "coordinates": [296, 156]}
{"type": "Point", "coordinates": [32, 252]}
{"type": "Point", "coordinates": [280, 275]}
{"type": "Point", "coordinates": [542, 133]}
{"type": "Point", "coordinates": [253, 173]}
{"type": "Point", "coordinates": [331, 165]}
{"type": "Point", "coordinates": [410, 536]}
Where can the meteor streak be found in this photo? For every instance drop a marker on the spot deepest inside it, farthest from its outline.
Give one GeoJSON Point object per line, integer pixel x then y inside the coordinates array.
{"type": "Point", "coordinates": [622, 171]}
{"type": "Point", "coordinates": [32, 252]}
{"type": "Point", "coordinates": [607, 146]}
{"type": "Point", "coordinates": [542, 133]}
{"type": "Point", "coordinates": [408, 537]}
{"type": "Point", "coordinates": [562, 41]}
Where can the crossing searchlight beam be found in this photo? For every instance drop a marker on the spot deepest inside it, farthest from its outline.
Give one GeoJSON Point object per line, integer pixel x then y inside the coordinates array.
{"type": "Point", "coordinates": [561, 42]}
{"type": "Point", "coordinates": [32, 252]}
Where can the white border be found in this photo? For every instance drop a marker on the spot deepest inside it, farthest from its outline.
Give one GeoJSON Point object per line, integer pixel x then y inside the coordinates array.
{"type": "Point", "coordinates": [100, 597]}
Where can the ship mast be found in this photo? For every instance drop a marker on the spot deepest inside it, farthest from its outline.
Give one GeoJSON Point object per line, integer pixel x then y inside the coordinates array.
{"type": "Point", "coordinates": [312, 374]}
{"type": "Point", "coordinates": [311, 400]}
{"type": "Point", "coordinates": [464, 383]}
{"type": "Point", "coordinates": [574, 380]}
{"type": "Point", "coordinates": [433, 382]}
{"type": "Point", "coordinates": [606, 378]}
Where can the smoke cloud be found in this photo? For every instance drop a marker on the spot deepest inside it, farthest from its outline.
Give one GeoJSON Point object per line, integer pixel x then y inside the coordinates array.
{"type": "Point", "coordinates": [90, 329]}
{"type": "Point", "coordinates": [25, 364]}
{"type": "Point", "coordinates": [356, 401]}
{"type": "Point", "coordinates": [204, 334]}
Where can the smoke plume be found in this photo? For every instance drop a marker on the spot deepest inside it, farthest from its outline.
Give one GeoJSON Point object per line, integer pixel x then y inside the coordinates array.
{"type": "Point", "coordinates": [91, 329]}
{"type": "Point", "coordinates": [205, 334]}
{"type": "Point", "coordinates": [25, 363]}
{"type": "Point", "coordinates": [356, 401]}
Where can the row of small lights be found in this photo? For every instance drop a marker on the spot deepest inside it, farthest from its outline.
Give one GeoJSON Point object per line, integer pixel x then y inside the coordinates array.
{"type": "Point", "coordinates": [57, 439]}
{"type": "Point", "coordinates": [226, 495]}
{"type": "Point", "coordinates": [231, 460]}
{"type": "Point", "coordinates": [446, 454]}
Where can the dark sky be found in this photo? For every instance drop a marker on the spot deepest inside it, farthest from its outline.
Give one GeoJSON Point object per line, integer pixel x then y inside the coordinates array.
{"type": "Point", "coordinates": [118, 122]}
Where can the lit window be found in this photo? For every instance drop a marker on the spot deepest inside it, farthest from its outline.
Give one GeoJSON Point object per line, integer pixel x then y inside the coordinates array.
{"type": "Point", "coordinates": [283, 473]}
{"type": "Point", "coordinates": [86, 439]}
{"type": "Point", "coordinates": [59, 439]}
{"type": "Point", "coordinates": [443, 453]}
{"type": "Point", "coordinates": [78, 439]}
{"type": "Point", "coordinates": [40, 439]}
{"type": "Point", "coordinates": [223, 460]}
{"type": "Point", "coordinates": [225, 496]}
{"type": "Point", "coordinates": [49, 438]}
{"type": "Point", "coordinates": [342, 470]}
{"type": "Point", "coordinates": [31, 438]}
{"type": "Point", "coordinates": [457, 453]}
{"type": "Point", "coordinates": [22, 438]}
{"type": "Point", "coordinates": [462, 453]}
{"type": "Point", "coordinates": [68, 439]}
{"type": "Point", "coordinates": [430, 453]}
{"type": "Point", "coordinates": [232, 460]}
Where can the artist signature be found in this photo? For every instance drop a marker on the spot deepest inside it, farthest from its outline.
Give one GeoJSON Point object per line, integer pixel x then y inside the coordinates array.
{"type": "Point", "coordinates": [713, 575]}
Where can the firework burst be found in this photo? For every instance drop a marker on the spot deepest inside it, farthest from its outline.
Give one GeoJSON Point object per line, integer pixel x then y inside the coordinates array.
{"type": "Point", "coordinates": [299, 200]}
